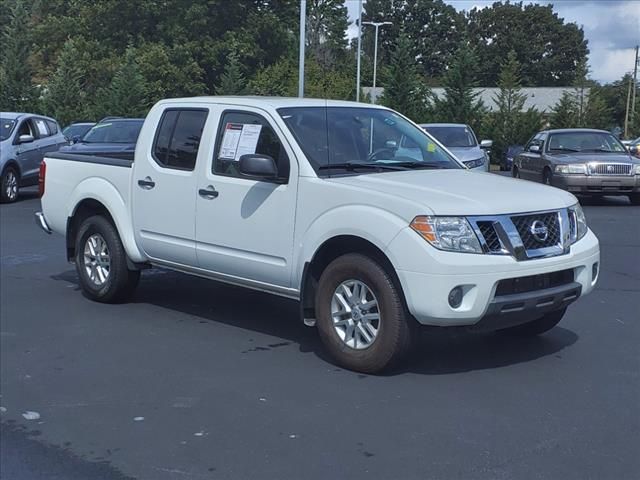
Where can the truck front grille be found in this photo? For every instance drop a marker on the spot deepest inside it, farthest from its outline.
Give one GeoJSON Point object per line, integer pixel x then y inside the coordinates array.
{"type": "Point", "coordinates": [525, 225]}
{"type": "Point", "coordinates": [532, 283]}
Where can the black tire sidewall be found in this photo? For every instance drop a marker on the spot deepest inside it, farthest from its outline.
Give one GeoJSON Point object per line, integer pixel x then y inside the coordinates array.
{"type": "Point", "coordinates": [3, 184]}
{"type": "Point", "coordinates": [392, 337]}
{"type": "Point", "coordinates": [113, 289]}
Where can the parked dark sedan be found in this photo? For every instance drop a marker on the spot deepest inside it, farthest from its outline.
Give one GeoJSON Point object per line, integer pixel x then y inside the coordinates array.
{"type": "Point", "coordinates": [75, 131]}
{"type": "Point", "coordinates": [109, 138]}
{"type": "Point", "coordinates": [507, 160]}
{"type": "Point", "coordinates": [582, 161]}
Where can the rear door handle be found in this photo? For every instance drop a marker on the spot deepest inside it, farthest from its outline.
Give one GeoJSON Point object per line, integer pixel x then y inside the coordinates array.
{"type": "Point", "coordinates": [209, 193]}
{"type": "Point", "coordinates": [147, 183]}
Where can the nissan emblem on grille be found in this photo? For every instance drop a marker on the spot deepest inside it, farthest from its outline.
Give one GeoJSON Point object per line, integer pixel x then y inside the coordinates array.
{"type": "Point", "coordinates": [539, 230]}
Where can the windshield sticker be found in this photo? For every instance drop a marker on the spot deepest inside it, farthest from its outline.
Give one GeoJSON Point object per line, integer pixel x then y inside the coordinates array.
{"type": "Point", "coordinates": [239, 139]}
{"type": "Point", "coordinates": [431, 147]}
{"type": "Point", "coordinates": [389, 121]}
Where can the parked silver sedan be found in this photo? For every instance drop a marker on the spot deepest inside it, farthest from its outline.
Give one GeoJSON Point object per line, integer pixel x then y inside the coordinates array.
{"type": "Point", "coordinates": [582, 161]}
{"type": "Point", "coordinates": [24, 140]}
{"type": "Point", "coordinates": [462, 142]}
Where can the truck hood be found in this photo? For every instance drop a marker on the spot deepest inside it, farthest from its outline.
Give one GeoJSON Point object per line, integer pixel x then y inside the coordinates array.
{"type": "Point", "coordinates": [462, 192]}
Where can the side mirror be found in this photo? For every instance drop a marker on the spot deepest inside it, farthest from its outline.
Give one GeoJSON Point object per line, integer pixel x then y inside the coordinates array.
{"type": "Point", "coordinates": [534, 148]}
{"type": "Point", "coordinates": [25, 139]}
{"type": "Point", "coordinates": [260, 166]}
{"type": "Point", "coordinates": [75, 139]}
{"type": "Point", "coordinates": [486, 144]}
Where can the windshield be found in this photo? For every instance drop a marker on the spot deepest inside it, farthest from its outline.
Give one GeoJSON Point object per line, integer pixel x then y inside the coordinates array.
{"type": "Point", "coordinates": [453, 136]}
{"type": "Point", "coordinates": [362, 140]}
{"type": "Point", "coordinates": [6, 127]}
{"type": "Point", "coordinates": [114, 132]}
{"type": "Point", "coordinates": [578, 142]}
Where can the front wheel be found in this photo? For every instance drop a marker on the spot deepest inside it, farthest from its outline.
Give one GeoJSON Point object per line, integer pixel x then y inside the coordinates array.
{"type": "Point", "coordinates": [547, 177]}
{"type": "Point", "coordinates": [361, 316]}
{"type": "Point", "coordinates": [101, 262]}
{"type": "Point", "coordinates": [515, 172]}
{"type": "Point", "coordinates": [634, 198]}
{"type": "Point", "coordinates": [10, 185]}
{"type": "Point", "coordinates": [537, 327]}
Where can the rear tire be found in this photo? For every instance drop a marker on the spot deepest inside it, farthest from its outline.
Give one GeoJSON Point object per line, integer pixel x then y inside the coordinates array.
{"type": "Point", "coordinates": [361, 316]}
{"type": "Point", "coordinates": [537, 327]}
{"type": "Point", "coordinates": [634, 198]}
{"type": "Point", "coordinates": [101, 262]}
{"type": "Point", "coordinates": [10, 185]}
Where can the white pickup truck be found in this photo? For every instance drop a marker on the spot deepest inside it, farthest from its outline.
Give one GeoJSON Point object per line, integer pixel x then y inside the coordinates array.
{"type": "Point", "coordinates": [349, 208]}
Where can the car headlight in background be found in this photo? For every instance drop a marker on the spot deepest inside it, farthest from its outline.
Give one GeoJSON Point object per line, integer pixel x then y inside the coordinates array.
{"type": "Point", "coordinates": [572, 169]}
{"type": "Point", "coordinates": [577, 223]}
{"type": "Point", "coordinates": [453, 234]}
{"type": "Point", "coordinates": [474, 163]}
{"type": "Point", "coordinates": [636, 169]}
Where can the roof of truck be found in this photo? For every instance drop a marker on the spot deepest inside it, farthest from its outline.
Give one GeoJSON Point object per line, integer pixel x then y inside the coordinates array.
{"type": "Point", "coordinates": [274, 102]}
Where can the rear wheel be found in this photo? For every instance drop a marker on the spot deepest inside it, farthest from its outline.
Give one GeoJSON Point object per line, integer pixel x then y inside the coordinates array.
{"type": "Point", "coordinates": [361, 316]}
{"type": "Point", "coordinates": [634, 198]}
{"type": "Point", "coordinates": [537, 327]}
{"type": "Point", "coordinates": [101, 262]}
{"type": "Point", "coordinates": [10, 185]}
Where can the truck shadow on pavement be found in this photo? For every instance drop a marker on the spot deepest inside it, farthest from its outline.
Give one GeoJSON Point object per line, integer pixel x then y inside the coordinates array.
{"type": "Point", "coordinates": [437, 352]}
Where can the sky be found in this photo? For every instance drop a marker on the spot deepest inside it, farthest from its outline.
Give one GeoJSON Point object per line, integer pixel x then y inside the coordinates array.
{"type": "Point", "coordinates": [612, 28]}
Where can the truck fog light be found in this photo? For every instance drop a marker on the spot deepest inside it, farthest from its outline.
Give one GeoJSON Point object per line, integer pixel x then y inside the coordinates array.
{"type": "Point", "coordinates": [594, 272]}
{"type": "Point", "coordinates": [455, 297]}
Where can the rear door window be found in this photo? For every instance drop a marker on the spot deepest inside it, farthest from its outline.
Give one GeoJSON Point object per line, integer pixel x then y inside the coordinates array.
{"type": "Point", "coordinates": [41, 127]}
{"type": "Point", "coordinates": [178, 138]}
{"type": "Point", "coordinates": [53, 127]}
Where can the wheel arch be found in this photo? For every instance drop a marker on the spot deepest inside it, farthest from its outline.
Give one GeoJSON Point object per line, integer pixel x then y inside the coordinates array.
{"type": "Point", "coordinates": [12, 163]}
{"type": "Point", "coordinates": [328, 251]}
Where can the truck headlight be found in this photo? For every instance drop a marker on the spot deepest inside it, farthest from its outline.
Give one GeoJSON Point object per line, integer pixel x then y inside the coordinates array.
{"type": "Point", "coordinates": [572, 169]}
{"type": "Point", "coordinates": [578, 223]}
{"type": "Point", "coordinates": [453, 234]}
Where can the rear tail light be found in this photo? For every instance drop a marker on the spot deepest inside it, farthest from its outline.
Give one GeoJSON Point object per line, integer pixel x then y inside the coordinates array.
{"type": "Point", "coordinates": [41, 175]}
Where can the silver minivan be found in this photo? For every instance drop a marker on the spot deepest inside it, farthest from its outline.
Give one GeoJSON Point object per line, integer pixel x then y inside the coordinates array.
{"type": "Point", "coordinates": [25, 138]}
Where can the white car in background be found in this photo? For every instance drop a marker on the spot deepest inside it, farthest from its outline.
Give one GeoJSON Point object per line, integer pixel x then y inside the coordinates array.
{"type": "Point", "coordinates": [462, 142]}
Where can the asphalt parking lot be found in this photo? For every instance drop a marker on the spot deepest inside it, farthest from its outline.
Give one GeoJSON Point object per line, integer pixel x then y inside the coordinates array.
{"type": "Point", "coordinates": [193, 379]}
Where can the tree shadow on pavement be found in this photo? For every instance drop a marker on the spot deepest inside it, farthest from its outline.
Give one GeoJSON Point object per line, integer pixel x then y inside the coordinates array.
{"type": "Point", "coordinates": [437, 352]}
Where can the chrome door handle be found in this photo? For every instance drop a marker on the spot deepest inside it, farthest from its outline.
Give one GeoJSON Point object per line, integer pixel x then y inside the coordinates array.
{"type": "Point", "coordinates": [209, 193]}
{"type": "Point", "coordinates": [147, 183]}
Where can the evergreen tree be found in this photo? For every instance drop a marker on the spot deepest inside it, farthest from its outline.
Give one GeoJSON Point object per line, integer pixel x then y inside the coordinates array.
{"type": "Point", "coordinates": [17, 92]}
{"type": "Point", "coordinates": [402, 89]}
{"type": "Point", "coordinates": [127, 93]}
{"type": "Point", "coordinates": [232, 80]}
{"type": "Point", "coordinates": [564, 113]}
{"type": "Point", "coordinates": [327, 22]}
{"type": "Point", "coordinates": [65, 97]}
{"type": "Point", "coordinates": [460, 103]}
{"type": "Point", "coordinates": [597, 114]}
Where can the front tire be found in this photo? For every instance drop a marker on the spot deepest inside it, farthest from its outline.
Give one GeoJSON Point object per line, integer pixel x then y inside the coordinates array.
{"type": "Point", "coordinates": [361, 316]}
{"type": "Point", "coordinates": [515, 172]}
{"type": "Point", "coordinates": [10, 185]}
{"type": "Point", "coordinates": [634, 198]}
{"type": "Point", "coordinates": [537, 327]}
{"type": "Point", "coordinates": [547, 178]}
{"type": "Point", "coordinates": [101, 262]}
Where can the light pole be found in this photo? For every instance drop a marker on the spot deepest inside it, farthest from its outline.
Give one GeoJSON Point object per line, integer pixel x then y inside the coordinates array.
{"type": "Point", "coordinates": [358, 56]}
{"type": "Point", "coordinates": [375, 54]}
{"type": "Point", "coordinates": [303, 20]}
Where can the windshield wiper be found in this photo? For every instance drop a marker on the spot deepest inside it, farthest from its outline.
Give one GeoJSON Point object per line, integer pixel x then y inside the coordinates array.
{"type": "Point", "coordinates": [418, 165]}
{"type": "Point", "coordinates": [563, 149]}
{"type": "Point", "coordinates": [351, 166]}
{"type": "Point", "coordinates": [600, 150]}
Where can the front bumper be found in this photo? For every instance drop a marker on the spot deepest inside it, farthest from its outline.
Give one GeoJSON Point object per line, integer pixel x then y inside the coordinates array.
{"type": "Point", "coordinates": [598, 184]}
{"type": "Point", "coordinates": [42, 222]}
{"type": "Point", "coordinates": [428, 276]}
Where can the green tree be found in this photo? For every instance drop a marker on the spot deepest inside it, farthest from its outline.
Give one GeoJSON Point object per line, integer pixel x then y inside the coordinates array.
{"type": "Point", "coordinates": [403, 90]}
{"type": "Point", "coordinates": [327, 22]}
{"type": "Point", "coordinates": [460, 103]}
{"type": "Point", "coordinates": [597, 113]}
{"type": "Point", "coordinates": [232, 81]}
{"type": "Point", "coordinates": [17, 92]}
{"type": "Point", "coordinates": [127, 94]}
{"type": "Point", "coordinates": [65, 96]}
{"type": "Point", "coordinates": [565, 112]}
{"type": "Point", "coordinates": [548, 49]}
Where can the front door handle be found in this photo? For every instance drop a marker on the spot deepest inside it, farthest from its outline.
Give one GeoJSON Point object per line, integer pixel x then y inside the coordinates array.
{"type": "Point", "coordinates": [209, 193]}
{"type": "Point", "coordinates": [147, 183]}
